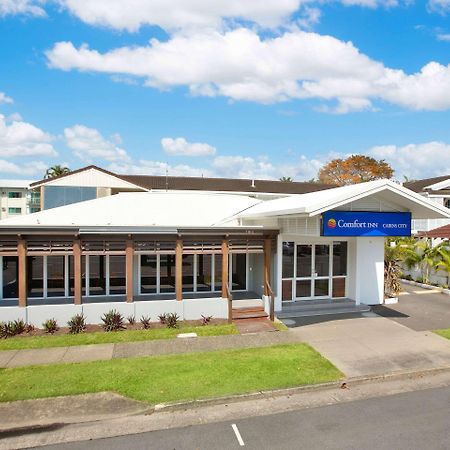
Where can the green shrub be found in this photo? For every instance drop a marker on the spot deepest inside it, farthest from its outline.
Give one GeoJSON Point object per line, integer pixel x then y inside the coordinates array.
{"type": "Point", "coordinates": [145, 321]}
{"type": "Point", "coordinates": [77, 324]}
{"type": "Point", "coordinates": [419, 280]}
{"type": "Point", "coordinates": [172, 320]}
{"type": "Point", "coordinates": [113, 321]}
{"type": "Point", "coordinates": [50, 326]}
{"type": "Point", "coordinates": [206, 319]}
{"type": "Point", "coordinates": [163, 318]}
{"type": "Point", "coordinates": [19, 326]}
{"type": "Point", "coordinates": [12, 328]}
{"type": "Point", "coordinates": [131, 320]}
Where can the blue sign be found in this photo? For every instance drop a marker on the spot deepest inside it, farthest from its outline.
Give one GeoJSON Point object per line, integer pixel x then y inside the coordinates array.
{"type": "Point", "coordinates": [349, 223]}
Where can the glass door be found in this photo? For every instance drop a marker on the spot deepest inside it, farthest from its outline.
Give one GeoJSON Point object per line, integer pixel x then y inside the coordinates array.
{"type": "Point", "coordinates": [312, 271]}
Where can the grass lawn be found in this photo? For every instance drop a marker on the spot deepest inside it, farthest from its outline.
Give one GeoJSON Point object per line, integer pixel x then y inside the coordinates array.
{"type": "Point", "coordinates": [444, 333]}
{"type": "Point", "coordinates": [16, 343]}
{"type": "Point", "coordinates": [161, 379]}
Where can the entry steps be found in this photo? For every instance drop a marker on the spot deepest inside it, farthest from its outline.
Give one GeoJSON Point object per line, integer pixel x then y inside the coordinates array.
{"type": "Point", "coordinates": [248, 309]}
{"type": "Point", "coordinates": [309, 308]}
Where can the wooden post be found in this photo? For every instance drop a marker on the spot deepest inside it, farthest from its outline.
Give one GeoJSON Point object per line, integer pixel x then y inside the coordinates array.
{"type": "Point", "coordinates": [22, 271]}
{"type": "Point", "coordinates": [77, 272]}
{"type": "Point", "coordinates": [129, 257]}
{"type": "Point", "coordinates": [267, 257]}
{"type": "Point", "coordinates": [225, 257]}
{"type": "Point", "coordinates": [179, 269]}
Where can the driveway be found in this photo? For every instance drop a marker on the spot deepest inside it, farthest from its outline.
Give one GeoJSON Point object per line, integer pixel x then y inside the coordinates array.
{"type": "Point", "coordinates": [419, 309]}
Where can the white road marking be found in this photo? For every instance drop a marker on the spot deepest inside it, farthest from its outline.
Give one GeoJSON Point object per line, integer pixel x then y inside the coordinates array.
{"type": "Point", "coordinates": [238, 435]}
{"type": "Point", "coordinates": [430, 291]}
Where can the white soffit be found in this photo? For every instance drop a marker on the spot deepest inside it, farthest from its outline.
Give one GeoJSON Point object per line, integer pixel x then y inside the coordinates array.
{"type": "Point", "coordinates": [91, 177]}
{"type": "Point", "coordinates": [437, 186]}
{"type": "Point", "coordinates": [315, 203]}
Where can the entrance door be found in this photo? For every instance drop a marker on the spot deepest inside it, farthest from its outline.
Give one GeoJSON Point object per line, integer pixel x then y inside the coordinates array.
{"type": "Point", "coordinates": [312, 271]}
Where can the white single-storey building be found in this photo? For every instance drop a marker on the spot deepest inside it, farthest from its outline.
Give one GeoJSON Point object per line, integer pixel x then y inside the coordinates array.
{"type": "Point", "coordinates": [191, 252]}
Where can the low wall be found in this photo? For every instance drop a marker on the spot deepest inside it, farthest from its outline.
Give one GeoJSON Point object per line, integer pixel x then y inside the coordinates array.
{"type": "Point", "coordinates": [438, 277]}
{"type": "Point", "coordinates": [191, 309]}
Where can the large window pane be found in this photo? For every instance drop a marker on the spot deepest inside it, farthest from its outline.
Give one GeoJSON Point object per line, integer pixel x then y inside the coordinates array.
{"type": "Point", "coordinates": [10, 276]}
{"type": "Point", "coordinates": [339, 258]}
{"type": "Point", "coordinates": [55, 276]}
{"type": "Point", "coordinates": [322, 260]}
{"type": "Point", "coordinates": [117, 275]}
{"type": "Point", "coordinates": [304, 260]}
{"type": "Point", "coordinates": [204, 272]}
{"type": "Point", "coordinates": [303, 288]}
{"type": "Point", "coordinates": [72, 278]}
{"type": "Point", "coordinates": [218, 272]}
{"type": "Point", "coordinates": [239, 271]}
{"type": "Point", "coordinates": [288, 259]}
{"type": "Point", "coordinates": [35, 276]}
{"type": "Point", "coordinates": [188, 273]}
{"type": "Point", "coordinates": [148, 274]}
{"type": "Point", "coordinates": [167, 271]}
{"type": "Point", "coordinates": [97, 275]}
{"type": "Point", "coordinates": [321, 288]}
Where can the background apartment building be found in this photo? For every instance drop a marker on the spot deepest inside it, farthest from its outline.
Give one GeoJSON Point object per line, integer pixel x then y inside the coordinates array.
{"type": "Point", "coordinates": [17, 199]}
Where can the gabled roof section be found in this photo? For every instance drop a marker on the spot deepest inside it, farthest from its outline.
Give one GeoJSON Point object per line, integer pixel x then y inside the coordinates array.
{"type": "Point", "coordinates": [316, 203]}
{"type": "Point", "coordinates": [428, 183]}
{"type": "Point", "coordinates": [89, 176]}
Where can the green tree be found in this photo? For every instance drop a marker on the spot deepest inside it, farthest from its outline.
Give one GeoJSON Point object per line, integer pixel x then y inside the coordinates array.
{"type": "Point", "coordinates": [393, 255]}
{"type": "Point", "coordinates": [422, 255]}
{"type": "Point", "coordinates": [286, 179]}
{"type": "Point", "coordinates": [56, 171]}
{"type": "Point", "coordinates": [444, 260]}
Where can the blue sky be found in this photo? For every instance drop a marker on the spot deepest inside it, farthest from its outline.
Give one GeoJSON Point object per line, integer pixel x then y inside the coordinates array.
{"type": "Point", "coordinates": [223, 88]}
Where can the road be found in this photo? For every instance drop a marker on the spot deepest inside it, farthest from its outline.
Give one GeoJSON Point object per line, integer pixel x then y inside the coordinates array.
{"type": "Point", "coordinates": [415, 420]}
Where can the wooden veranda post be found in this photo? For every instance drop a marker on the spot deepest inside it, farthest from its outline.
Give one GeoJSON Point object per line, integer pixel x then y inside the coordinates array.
{"type": "Point", "coordinates": [22, 269]}
{"type": "Point", "coordinates": [179, 269]}
{"type": "Point", "coordinates": [225, 258]}
{"type": "Point", "coordinates": [77, 271]}
{"type": "Point", "coordinates": [129, 257]}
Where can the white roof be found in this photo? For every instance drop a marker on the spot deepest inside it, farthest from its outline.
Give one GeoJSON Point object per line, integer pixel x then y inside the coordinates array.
{"type": "Point", "coordinates": [315, 203]}
{"type": "Point", "coordinates": [142, 209]}
{"type": "Point", "coordinates": [18, 184]}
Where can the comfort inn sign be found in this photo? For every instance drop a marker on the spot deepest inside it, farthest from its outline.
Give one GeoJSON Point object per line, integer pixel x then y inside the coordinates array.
{"type": "Point", "coordinates": [349, 223]}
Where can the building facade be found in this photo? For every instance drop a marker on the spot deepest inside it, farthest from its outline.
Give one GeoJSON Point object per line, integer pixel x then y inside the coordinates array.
{"type": "Point", "coordinates": [17, 199]}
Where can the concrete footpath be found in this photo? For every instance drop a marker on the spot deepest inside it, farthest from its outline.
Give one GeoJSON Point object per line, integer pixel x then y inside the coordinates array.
{"type": "Point", "coordinates": [97, 352]}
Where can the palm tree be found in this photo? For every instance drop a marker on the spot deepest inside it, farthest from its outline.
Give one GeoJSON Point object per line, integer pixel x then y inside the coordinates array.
{"type": "Point", "coordinates": [392, 271]}
{"type": "Point", "coordinates": [286, 179]}
{"type": "Point", "coordinates": [56, 171]}
{"type": "Point", "coordinates": [444, 260]}
{"type": "Point", "coordinates": [422, 255]}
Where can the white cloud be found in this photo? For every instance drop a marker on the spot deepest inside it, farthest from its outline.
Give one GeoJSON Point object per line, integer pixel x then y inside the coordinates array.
{"type": "Point", "coordinates": [28, 7]}
{"type": "Point", "coordinates": [179, 146]}
{"type": "Point", "coordinates": [4, 98]}
{"type": "Point", "coordinates": [415, 160]}
{"type": "Point", "coordinates": [88, 144]}
{"type": "Point", "coordinates": [18, 138]}
{"type": "Point", "coordinates": [443, 37]}
{"type": "Point", "coordinates": [241, 65]}
{"type": "Point", "coordinates": [146, 167]}
{"type": "Point", "coordinates": [243, 167]}
{"type": "Point", "coordinates": [31, 168]}
{"type": "Point", "coordinates": [439, 6]}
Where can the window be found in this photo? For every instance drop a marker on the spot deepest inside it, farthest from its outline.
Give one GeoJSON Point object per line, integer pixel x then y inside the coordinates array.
{"type": "Point", "coordinates": [14, 210]}
{"type": "Point", "coordinates": [14, 194]}
{"type": "Point", "coordinates": [447, 202]}
{"type": "Point", "coordinates": [188, 273]}
{"type": "Point", "coordinates": [339, 258]}
{"type": "Point", "coordinates": [117, 275]}
{"type": "Point", "coordinates": [288, 259]}
{"type": "Point", "coordinates": [149, 274]}
{"type": "Point", "coordinates": [204, 272]}
{"type": "Point", "coordinates": [56, 276]}
{"type": "Point", "coordinates": [239, 271]}
{"type": "Point", "coordinates": [167, 273]}
{"type": "Point", "coordinates": [10, 276]}
{"type": "Point", "coordinates": [97, 275]}
{"type": "Point", "coordinates": [34, 210]}
{"type": "Point", "coordinates": [65, 195]}
{"type": "Point", "coordinates": [72, 276]}
{"type": "Point", "coordinates": [35, 275]}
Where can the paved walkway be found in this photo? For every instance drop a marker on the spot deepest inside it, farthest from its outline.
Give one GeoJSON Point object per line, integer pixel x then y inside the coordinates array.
{"type": "Point", "coordinates": [84, 353]}
{"type": "Point", "coordinates": [374, 345]}
{"type": "Point", "coordinates": [419, 309]}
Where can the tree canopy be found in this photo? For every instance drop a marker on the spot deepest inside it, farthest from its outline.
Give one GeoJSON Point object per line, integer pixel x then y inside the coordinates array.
{"type": "Point", "coordinates": [354, 169]}
{"type": "Point", "coordinates": [56, 171]}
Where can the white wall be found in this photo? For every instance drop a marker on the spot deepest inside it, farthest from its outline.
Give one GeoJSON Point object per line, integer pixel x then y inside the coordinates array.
{"type": "Point", "coordinates": [366, 281]}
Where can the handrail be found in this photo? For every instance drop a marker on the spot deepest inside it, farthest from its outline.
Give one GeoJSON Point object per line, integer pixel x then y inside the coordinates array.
{"type": "Point", "coordinates": [272, 302]}
{"type": "Point", "coordinates": [230, 303]}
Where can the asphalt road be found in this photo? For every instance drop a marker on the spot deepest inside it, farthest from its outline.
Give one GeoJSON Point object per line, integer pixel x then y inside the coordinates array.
{"type": "Point", "coordinates": [416, 420]}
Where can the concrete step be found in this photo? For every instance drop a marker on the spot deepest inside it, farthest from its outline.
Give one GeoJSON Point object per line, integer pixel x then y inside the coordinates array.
{"type": "Point", "coordinates": [249, 313]}
{"type": "Point", "coordinates": [324, 310]}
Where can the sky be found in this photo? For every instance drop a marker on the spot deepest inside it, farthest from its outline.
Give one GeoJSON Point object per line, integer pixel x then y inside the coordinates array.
{"type": "Point", "coordinates": [227, 88]}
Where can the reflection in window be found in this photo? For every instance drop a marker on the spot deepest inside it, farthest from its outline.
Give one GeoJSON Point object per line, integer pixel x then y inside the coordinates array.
{"type": "Point", "coordinates": [188, 273]}
{"type": "Point", "coordinates": [35, 276]}
{"type": "Point", "coordinates": [72, 276]}
{"type": "Point", "coordinates": [218, 272]}
{"type": "Point", "coordinates": [117, 275]}
{"type": "Point", "coordinates": [10, 276]}
{"type": "Point", "coordinates": [167, 271]}
{"type": "Point", "coordinates": [304, 260]}
{"type": "Point", "coordinates": [339, 258]}
{"type": "Point", "coordinates": [97, 275]}
{"type": "Point", "coordinates": [55, 276]}
{"type": "Point", "coordinates": [148, 274]}
{"type": "Point", "coordinates": [204, 272]}
{"type": "Point", "coordinates": [322, 260]}
{"type": "Point", "coordinates": [288, 259]}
